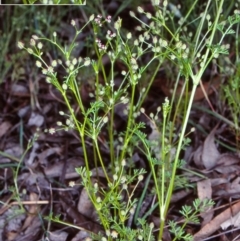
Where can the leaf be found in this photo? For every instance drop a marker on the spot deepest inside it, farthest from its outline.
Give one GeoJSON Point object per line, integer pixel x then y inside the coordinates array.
{"type": "Point", "coordinates": [232, 221]}
{"type": "Point", "coordinates": [210, 154]}
{"type": "Point", "coordinates": [204, 189]}
{"type": "Point", "coordinates": [230, 31]}
{"type": "Point", "coordinates": [85, 205]}
{"type": "Point", "coordinates": [4, 127]}
{"type": "Point", "coordinates": [214, 224]}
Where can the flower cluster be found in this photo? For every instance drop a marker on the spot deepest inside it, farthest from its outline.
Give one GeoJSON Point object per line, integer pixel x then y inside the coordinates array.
{"type": "Point", "coordinates": [110, 35]}
{"type": "Point", "coordinates": [98, 20]}
{"type": "Point", "coordinates": [100, 45]}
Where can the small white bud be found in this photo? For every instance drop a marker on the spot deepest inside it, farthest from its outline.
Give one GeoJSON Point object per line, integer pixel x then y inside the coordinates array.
{"type": "Point", "coordinates": [38, 64]}
{"type": "Point", "coordinates": [73, 23]}
{"type": "Point", "coordinates": [87, 62]}
{"type": "Point", "coordinates": [140, 9]}
{"type": "Point", "coordinates": [20, 45]}
{"type": "Point", "coordinates": [129, 35]}
{"type": "Point", "coordinates": [64, 86]}
{"type": "Point", "coordinates": [39, 45]}
{"type": "Point", "coordinates": [91, 17]}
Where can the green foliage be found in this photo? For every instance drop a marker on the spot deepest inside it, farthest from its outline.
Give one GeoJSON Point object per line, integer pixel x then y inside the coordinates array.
{"type": "Point", "coordinates": [190, 216]}
{"type": "Point", "coordinates": [232, 95]}
{"type": "Point", "coordinates": [54, 2]}
{"type": "Point", "coordinates": [116, 202]}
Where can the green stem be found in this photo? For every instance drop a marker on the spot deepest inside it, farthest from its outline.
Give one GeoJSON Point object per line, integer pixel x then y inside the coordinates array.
{"type": "Point", "coordinates": [196, 80]}
{"type": "Point", "coordinates": [80, 131]}
{"type": "Point", "coordinates": [171, 185]}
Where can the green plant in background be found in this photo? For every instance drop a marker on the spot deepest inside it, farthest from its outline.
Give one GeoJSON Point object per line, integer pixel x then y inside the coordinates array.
{"type": "Point", "coordinates": [191, 56]}
{"type": "Point", "coordinates": [190, 216]}
{"type": "Point", "coordinates": [232, 95]}
{"type": "Point", "coordinates": [15, 190]}
{"type": "Point", "coordinates": [54, 1]}
{"type": "Point", "coordinates": [13, 20]}
{"type": "Point", "coordinates": [192, 60]}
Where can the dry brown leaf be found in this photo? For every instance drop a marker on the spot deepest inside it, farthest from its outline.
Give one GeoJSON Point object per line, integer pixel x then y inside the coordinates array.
{"type": "Point", "coordinates": [81, 235]}
{"type": "Point", "coordinates": [228, 163]}
{"type": "Point", "coordinates": [218, 181]}
{"type": "Point", "coordinates": [57, 169]}
{"type": "Point", "coordinates": [210, 154]}
{"type": "Point", "coordinates": [11, 235]}
{"type": "Point", "coordinates": [32, 230]}
{"type": "Point", "coordinates": [85, 205]}
{"type": "Point", "coordinates": [22, 112]}
{"type": "Point", "coordinates": [58, 235]}
{"type": "Point", "coordinates": [177, 196]}
{"type": "Point", "coordinates": [11, 223]}
{"type": "Point", "coordinates": [232, 221]}
{"type": "Point", "coordinates": [204, 189]}
{"type": "Point", "coordinates": [12, 149]}
{"type": "Point", "coordinates": [18, 89]}
{"type": "Point", "coordinates": [228, 189]}
{"type": "Point", "coordinates": [42, 157]}
{"type": "Point", "coordinates": [215, 223]}
{"type": "Point", "coordinates": [32, 211]}
{"type": "Point", "coordinates": [35, 119]}
{"type": "Point", "coordinates": [197, 157]}
{"type": "Point", "coordinates": [4, 127]}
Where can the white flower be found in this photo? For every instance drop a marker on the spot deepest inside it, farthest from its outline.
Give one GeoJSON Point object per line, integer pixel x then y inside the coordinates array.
{"type": "Point", "coordinates": [114, 234]}
{"type": "Point", "coordinates": [52, 131]}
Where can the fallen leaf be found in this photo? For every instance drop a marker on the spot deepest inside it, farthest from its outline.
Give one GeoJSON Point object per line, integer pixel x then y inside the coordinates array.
{"type": "Point", "coordinates": [228, 163]}
{"type": "Point", "coordinates": [232, 221]}
{"type": "Point", "coordinates": [81, 235]}
{"type": "Point", "coordinates": [230, 189]}
{"type": "Point", "coordinates": [215, 223]}
{"type": "Point", "coordinates": [4, 127]}
{"type": "Point", "coordinates": [210, 153]}
{"type": "Point", "coordinates": [12, 150]}
{"type": "Point", "coordinates": [204, 189]}
{"type": "Point", "coordinates": [58, 235]}
{"type": "Point", "coordinates": [18, 89]}
{"type": "Point", "coordinates": [85, 205]}
{"type": "Point", "coordinates": [197, 157]}
{"type": "Point", "coordinates": [35, 120]}
{"type": "Point", "coordinates": [32, 211]}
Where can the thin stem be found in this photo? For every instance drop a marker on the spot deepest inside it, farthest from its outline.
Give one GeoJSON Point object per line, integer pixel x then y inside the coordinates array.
{"type": "Point", "coordinates": [196, 80]}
